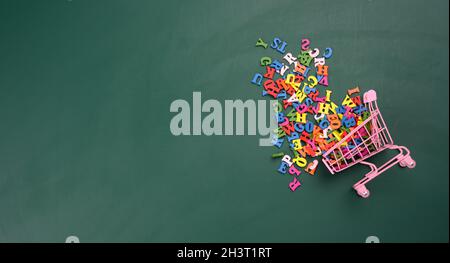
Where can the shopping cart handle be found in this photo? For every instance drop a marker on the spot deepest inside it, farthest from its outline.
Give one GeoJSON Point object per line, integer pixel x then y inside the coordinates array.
{"type": "Point", "coordinates": [370, 96]}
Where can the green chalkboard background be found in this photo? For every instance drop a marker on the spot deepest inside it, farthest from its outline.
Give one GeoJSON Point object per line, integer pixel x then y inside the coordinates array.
{"type": "Point", "coordinates": [85, 144]}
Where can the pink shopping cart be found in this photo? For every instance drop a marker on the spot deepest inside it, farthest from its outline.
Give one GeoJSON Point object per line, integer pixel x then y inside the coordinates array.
{"type": "Point", "coordinates": [365, 140]}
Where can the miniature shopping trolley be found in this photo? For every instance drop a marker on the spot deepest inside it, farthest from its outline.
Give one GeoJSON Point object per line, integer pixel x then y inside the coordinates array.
{"type": "Point", "coordinates": [365, 140]}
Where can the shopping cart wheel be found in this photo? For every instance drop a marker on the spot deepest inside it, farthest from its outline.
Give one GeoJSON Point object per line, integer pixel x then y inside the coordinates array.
{"type": "Point", "coordinates": [364, 194]}
{"type": "Point", "coordinates": [408, 162]}
{"type": "Point", "coordinates": [412, 164]}
{"type": "Point", "coordinates": [363, 191]}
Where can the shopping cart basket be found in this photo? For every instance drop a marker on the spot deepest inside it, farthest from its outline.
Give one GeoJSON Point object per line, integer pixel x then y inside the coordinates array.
{"type": "Point", "coordinates": [365, 140]}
